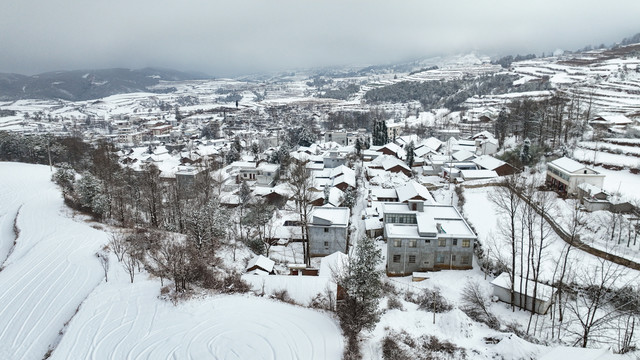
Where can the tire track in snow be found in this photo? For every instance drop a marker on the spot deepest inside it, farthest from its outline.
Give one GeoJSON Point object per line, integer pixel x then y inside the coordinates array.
{"type": "Point", "coordinates": [51, 269]}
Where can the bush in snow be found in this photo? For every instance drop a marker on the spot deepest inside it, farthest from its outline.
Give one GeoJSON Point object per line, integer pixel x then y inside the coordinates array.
{"type": "Point", "coordinates": [283, 295]}
{"type": "Point", "coordinates": [476, 305]}
{"type": "Point", "coordinates": [401, 345]}
{"type": "Point", "coordinates": [389, 289]}
{"type": "Point", "coordinates": [65, 178]}
{"type": "Point", "coordinates": [323, 301]}
{"type": "Point", "coordinates": [394, 303]}
{"type": "Point", "coordinates": [391, 350]}
{"type": "Point", "coordinates": [432, 300]}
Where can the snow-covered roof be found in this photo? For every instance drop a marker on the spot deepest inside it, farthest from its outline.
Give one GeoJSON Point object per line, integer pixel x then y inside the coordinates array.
{"type": "Point", "coordinates": [543, 292]}
{"type": "Point", "coordinates": [463, 155]}
{"type": "Point", "coordinates": [568, 165]}
{"type": "Point", "coordinates": [484, 134]}
{"type": "Point", "coordinates": [613, 119]}
{"type": "Point", "coordinates": [478, 174]}
{"type": "Point", "coordinates": [262, 262]}
{"type": "Point", "coordinates": [335, 196]}
{"type": "Point", "coordinates": [488, 162]}
{"type": "Point", "coordinates": [338, 216]}
{"type": "Point", "coordinates": [333, 264]}
{"type": "Point", "coordinates": [591, 189]}
{"type": "Point", "coordinates": [412, 189]}
{"type": "Point", "coordinates": [433, 143]}
{"type": "Point", "coordinates": [347, 178]}
{"type": "Point", "coordinates": [388, 162]}
{"type": "Point", "coordinates": [423, 150]}
{"type": "Point", "coordinates": [373, 223]}
{"type": "Point", "coordinates": [264, 166]}
{"type": "Point", "coordinates": [395, 148]}
{"type": "Point", "coordinates": [380, 192]}
{"type": "Point", "coordinates": [342, 169]}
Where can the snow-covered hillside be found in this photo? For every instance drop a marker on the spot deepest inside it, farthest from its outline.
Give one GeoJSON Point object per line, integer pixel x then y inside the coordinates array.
{"type": "Point", "coordinates": [54, 299]}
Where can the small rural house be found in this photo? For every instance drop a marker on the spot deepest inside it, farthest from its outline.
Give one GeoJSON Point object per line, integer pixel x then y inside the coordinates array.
{"type": "Point", "coordinates": [328, 230]}
{"type": "Point", "coordinates": [524, 291]}
{"type": "Point", "coordinates": [565, 175]}
{"type": "Point", "coordinates": [426, 237]}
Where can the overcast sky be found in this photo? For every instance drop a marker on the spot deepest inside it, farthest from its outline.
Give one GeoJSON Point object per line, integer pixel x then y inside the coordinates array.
{"type": "Point", "coordinates": [241, 36]}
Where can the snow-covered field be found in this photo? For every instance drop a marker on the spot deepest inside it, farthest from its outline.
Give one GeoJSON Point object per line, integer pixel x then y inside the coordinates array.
{"type": "Point", "coordinates": [54, 297]}
{"type": "Point", "coordinates": [52, 268]}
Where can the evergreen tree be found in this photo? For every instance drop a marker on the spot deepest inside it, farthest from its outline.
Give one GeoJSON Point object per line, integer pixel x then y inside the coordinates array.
{"type": "Point", "coordinates": [363, 287]}
{"type": "Point", "coordinates": [501, 125]}
{"type": "Point", "coordinates": [410, 155]}
{"type": "Point", "coordinates": [327, 193]}
{"type": "Point", "coordinates": [380, 136]}
{"type": "Point", "coordinates": [232, 155]}
{"type": "Point", "coordinates": [525, 153]}
{"type": "Point", "coordinates": [350, 197]}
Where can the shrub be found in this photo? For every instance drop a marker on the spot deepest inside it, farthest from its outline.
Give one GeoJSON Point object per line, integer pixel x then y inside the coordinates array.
{"type": "Point", "coordinates": [476, 305]}
{"type": "Point", "coordinates": [394, 303]}
{"type": "Point", "coordinates": [432, 300]}
{"type": "Point", "coordinates": [283, 295]}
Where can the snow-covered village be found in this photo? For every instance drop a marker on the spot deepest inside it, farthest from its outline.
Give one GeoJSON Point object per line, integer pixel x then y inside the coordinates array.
{"type": "Point", "coordinates": [452, 207]}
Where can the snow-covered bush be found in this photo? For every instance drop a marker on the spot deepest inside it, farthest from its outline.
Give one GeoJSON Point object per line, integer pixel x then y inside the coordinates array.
{"type": "Point", "coordinates": [476, 305]}
{"type": "Point", "coordinates": [394, 303]}
{"type": "Point", "coordinates": [432, 300]}
{"type": "Point", "coordinates": [401, 345]}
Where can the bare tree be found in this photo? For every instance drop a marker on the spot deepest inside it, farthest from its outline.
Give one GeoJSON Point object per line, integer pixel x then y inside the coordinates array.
{"type": "Point", "coordinates": [476, 305]}
{"type": "Point", "coordinates": [506, 198]}
{"type": "Point", "coordinates": [103, 257]}
{"type": "Point", "coordinates": [301, 181]}
{"type": "Point", "coordinates": [576, 223]}
{"type": "Point", "coordinates": [129, 263]}
{"type": "Point", "coordinates": [118, 244]}
{"type": "Point", "coordinates": [544, 203]}
{"type": "Point", "coordinates": [591, 306]}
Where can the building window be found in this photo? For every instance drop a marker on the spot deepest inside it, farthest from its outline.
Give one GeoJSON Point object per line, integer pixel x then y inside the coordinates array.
{"type": "Point", "coordinates": [412, 243]}
{"type": "Point", "coordinates": [427, 241]}
{"type": "Point", "coordinates": [412, 259]}
{"type": "Point", "coordinates": [440, 259]}
{"type": "Point", "coordinates": [453, 258]}
{"type": "Point", "coordinates": [442, 242]}
{"type": "Point", "coordinates": [396, 258]}
{"type": "Point", "coordinates": [397, 243]}
{"type": "Point", "coordinates": [326, 230]}
{"type": "Point", "coordinates": [455, 242]}
{"type": "Point", "coordinates": [326, 244]}
{"type": "Point", "coordinates": [466, 243]}
{"type": "Point", "coordinates": [466, 259]}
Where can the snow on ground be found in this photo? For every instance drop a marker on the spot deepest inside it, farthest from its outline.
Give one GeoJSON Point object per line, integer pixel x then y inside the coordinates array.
{"type": "Point", "coordinates": [582, 154]}
{"type": "Point", "coordinates": [52, 268]}
{"type": "Point", "coordinates": [127, 321]}
{"type": "Point", "coordinates": [53, 293]}
{"type": "Point", "coordinates": [620, 181]}
{"type": "Point", "coordinates": [453, 326]}
{"type": "Point", "coordinates": [484, 217]}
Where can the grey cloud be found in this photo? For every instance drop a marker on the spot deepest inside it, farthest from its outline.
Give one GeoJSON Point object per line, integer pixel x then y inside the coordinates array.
{"type": "Point", "coordinates": [234, 37]}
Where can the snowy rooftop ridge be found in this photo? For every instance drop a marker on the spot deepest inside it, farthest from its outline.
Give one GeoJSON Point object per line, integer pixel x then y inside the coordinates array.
{"type": "Point", "coordinates": [568, 165]}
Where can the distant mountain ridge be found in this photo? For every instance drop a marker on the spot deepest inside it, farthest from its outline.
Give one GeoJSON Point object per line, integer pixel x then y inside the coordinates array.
{"type": "Point", "coordinates": [86, 84]}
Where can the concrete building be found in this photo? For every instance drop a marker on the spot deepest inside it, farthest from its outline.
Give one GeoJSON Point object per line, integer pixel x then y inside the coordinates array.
{"type": "Point", "coordinates": [523, 290]}
{"type": "Point", "coordinates": [565, 175]}
{"type": "Point", "coordinates": [267, 173]}
{"type": "Point", "coordinates": [328, 230]}
{"type": "Point", "coordinates": [426, 237]}
{"type": "Point", "coordinates": [186, 178]}
{"type": "Point", "coordinates": [333, 159]}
